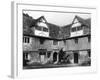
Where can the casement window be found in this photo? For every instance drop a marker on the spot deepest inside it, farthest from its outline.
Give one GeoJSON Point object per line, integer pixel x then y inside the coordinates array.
{"type": "Point", "coordinates": [55, 42]}
{"type": "Point", "coordinates": [45, 29]}
{"type": "Point", "coordinates": [79, 28]}
{"type": "Point", "coordinates": [76, 40]}
{"type": "Point", "coordinates": [26, 39]}
{"type": "Point", "coordinates": [74, 29]}
{"type": "Point", "coordinates": [39, 28]}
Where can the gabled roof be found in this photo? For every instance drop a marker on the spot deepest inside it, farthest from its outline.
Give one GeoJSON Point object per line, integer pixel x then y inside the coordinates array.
{"type": "Point", "coordinates": [39, 19]}
{"type": "Point", "coordinates": [34, 21]}
{"type": "Point", "coordinates": [27, 28]}
{"type": "Point", "coordinates": [56, 32]}
{"type": "Point", "coordinates": [86, 22]}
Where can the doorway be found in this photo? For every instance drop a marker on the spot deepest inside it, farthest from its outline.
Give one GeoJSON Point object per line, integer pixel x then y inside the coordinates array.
{"type": "Point", "coordinates": [55, 57]}
{"type": "Point", "coordinates": [42, 56]}
{"type": "Point", "coordinates": [76, 57]}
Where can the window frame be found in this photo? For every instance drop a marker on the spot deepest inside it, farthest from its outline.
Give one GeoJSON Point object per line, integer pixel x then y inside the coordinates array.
{"type": "Point", "coordinates": [73, 29]}
{"type": "Point", "coordinates": [79, 28]}
{"type": "Point", "coordinates": [26, 39]}
{"type": "Point", "coordinates": [45, 30]}
{"type": "Point", "coordinates": [89, 38]}
{"type": "Point", "coordinates": [76, 40]}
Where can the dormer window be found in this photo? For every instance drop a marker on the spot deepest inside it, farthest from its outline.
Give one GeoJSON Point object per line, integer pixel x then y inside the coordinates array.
{"type": "Point", "coordinates": [79, 27]}
{"type": "Point", "coordinates": [41, 28]}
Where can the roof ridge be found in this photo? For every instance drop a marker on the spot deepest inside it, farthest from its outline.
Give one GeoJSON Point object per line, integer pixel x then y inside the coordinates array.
{"type": "Point", "coordinates": [83, 20]}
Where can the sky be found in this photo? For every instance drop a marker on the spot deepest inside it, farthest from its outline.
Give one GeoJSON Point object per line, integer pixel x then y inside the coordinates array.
{"type": "Point", "coordinates": [57, 18]}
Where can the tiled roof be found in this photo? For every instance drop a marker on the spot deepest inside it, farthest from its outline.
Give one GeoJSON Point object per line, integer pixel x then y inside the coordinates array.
{"type": "Point", "coordinates": [86, 22]}
{"type": "Point", "coordinates": [55, 31]}
{"type": "Point", "coordinates": [65, 31]}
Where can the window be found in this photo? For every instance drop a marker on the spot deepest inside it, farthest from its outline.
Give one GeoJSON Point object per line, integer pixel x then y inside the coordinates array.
{"type": "Point", "coordinates": [41, 41]}
{"type": "Point", "coordinates": [55, 42]}
{"type": "Point", "coordinates": [76, 40]}
{"type": "Point", "coordinates": [89, 53]}
{"type": "Point", "coordinates": [74, 29]}
{"type": "Point", "coordinates": [39, 28]}
{"type": "Point", "coordinates": [45, 29]}
{"type": "Point", "coordinates": [79, 28]}
{"type": "Point", "coordinates": [26, 39]}
{"type": "Point", "coordinates": [25, 54]}
{"type": "Point", "coordinates": [89, 38]}
{"type": "Point", "coordinates": [48, 54]}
